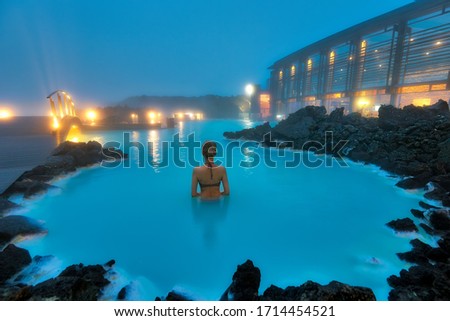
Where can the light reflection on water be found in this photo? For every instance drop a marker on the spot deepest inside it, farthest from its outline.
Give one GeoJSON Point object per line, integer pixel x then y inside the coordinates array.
{"type": "Point", "coordinates": [296, 224]}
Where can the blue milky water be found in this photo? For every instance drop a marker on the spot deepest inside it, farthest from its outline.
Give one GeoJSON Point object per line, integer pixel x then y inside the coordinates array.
{"type": "Point", "coordinates": [295, 224]}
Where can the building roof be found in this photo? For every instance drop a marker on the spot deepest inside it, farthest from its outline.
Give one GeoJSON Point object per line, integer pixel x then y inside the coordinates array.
{"type": "Point", "coordinates": [405, 13]}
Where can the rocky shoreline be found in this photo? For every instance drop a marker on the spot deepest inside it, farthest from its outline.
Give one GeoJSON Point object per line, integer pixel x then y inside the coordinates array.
{"type": "Point", "coordinates": [412, 143]}
{"type": "Point", "coordinates": [80, 282]}
{"type": "Point", "coordinates": [76, 282]}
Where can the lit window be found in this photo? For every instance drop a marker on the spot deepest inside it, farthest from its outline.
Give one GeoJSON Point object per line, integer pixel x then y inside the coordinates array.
{"type": "Point", "coordinates": [280, 75]}
{"type": "Point", "coordinates": [363, 48]}
{"type": "Point", "coordinates": [309, 64]}
{"type": "Point", "coordinates": [292, 71]}
{"type": "Point", "coordinates": [332, 56]}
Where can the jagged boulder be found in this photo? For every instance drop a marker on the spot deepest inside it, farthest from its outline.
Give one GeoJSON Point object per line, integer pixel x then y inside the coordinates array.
{"type": "Point", "coordinates": [245, 284]}
{"type": "Point", "coordinates": [255, 134]}
{"type": "Point", "coordinates": [312, 291]}
{"type": "Point", "coordinates": [6, 206]}
{"type": "Point", "coordinates": [421, 283]}
{"type": "Point", "coordinates": [12, 260]}
{"type": "Point", "coordinates": [439, 219]}
{"type": "Point", "coordinates": [403, 225]}
{"type": "Point", "coordinates": [75, 283]}
{"type": "Point", "coordinates": [15, 225]}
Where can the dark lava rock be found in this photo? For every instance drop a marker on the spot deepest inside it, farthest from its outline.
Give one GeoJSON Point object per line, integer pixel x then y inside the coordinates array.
{"type": "Point", "coordinates": [27, 187]}
{"type": "Point", "coordinates": [390, 117]}
{"type": "Point", "coordinates": [441, 107]}
{"type": "Point", "coordinates": [444, 242]}
{"type": "Point", "coordinates": [255, 134]}
{"type": "Point", "coordinates": [174, 296]}
{"type": "Point", "coordinates": [427, 229]}
{"type": "Point", "coordinates": [337, 115]}
{"type": "Point", "coordinates": [14, 225]}
{"type": "Point", "coordinates": [6, 206]}
{"type": "Point", "coordinates": [442, 180]}
{"type": "Point", "coordinates": [12, 261]}
{"type": "Point", "coordinates": [417, 214]}
{"type": "Point", "coordinates": [444, 154]}
{"type": "Point", "coordinates": [301, 124]}
{"type": "Point", "coordinates": [410, 183]}
{"type": "Point", "coordinates": [418, 254]}
{"type": "Point", "coordinates": [438, 255]}
{"type": "Point", "coordinates": [110, 263]}
{"type": "Point", "coordinates": [438, 193]}
{"type": "Point", "coordinates": [11, 292]}
{"type": "Point", "coordinates": [75, 283]}
{"type": "Point", "coordinates": [421, 282]}
{"type": "Point", "coordinates": [245, 284]}
{"type": "Point", "coordinates": [64, 159]}
{"type": "Point", "coordinates": [122, 294]}
{"type": "Point", "coordinates": [419, 181]}
{"type": "Point", "coordinates": [440, 219]}
{"type": "Point", "coordinates": [426, 205]}
{"type": "Point", "coordinates": [403, 225]}
{"type": "Point", "coordinates": [311, 291]}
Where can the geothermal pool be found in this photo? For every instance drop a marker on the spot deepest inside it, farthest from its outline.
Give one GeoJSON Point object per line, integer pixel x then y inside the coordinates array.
{"type": "Point", "coordinates": [295, 224]}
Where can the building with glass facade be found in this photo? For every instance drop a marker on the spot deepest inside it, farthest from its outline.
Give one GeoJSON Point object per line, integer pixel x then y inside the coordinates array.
{"type": "Point", "coordinates": [399, 58]}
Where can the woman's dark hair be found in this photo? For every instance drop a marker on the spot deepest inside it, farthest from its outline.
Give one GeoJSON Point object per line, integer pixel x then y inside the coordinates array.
{"type": "Point", "coordinates": [205, 149]}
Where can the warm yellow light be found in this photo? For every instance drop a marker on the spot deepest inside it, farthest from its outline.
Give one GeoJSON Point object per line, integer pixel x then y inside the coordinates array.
{"type": "Point", "coordinates": [151, 115]}
{"type": "Point", "coordinates": [180, 115]}
{"type": "Point", "coordinates": [309, 63]}
{"type": "Point", "coordinates": [91, 115]}
{"type": "Point", "coordinates": [5, 114]}
{"type": "Point", "coordinates": [439, 43]}
{"type": "Point", "coordinates": [332, 57]}
{"type": "Point", "coordinates": [55, 124]}
{"type": "Point", "coordinates": [422, 102]}
{"type": "Point", "coordinates": [363, 103]}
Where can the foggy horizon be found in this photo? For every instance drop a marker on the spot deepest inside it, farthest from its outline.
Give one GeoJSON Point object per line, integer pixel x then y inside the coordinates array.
{"type": "Point", "coordinates": [103, 52]}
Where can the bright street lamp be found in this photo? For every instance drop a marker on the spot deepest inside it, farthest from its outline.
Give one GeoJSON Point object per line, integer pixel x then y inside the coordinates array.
{"type": "Point", "coordinates": [249, 90]}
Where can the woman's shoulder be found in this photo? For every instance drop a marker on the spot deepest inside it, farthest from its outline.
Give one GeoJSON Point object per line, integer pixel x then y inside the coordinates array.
{"type": "Point", "coordinates": [221, 168]}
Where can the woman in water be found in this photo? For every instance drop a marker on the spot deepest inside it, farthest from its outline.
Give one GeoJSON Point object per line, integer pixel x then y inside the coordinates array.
{"type": "Point", "coordinates": [209, 176]}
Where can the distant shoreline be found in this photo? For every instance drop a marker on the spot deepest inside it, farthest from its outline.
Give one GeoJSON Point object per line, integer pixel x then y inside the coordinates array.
{"type": "Point", "coordinates": [25, 126]}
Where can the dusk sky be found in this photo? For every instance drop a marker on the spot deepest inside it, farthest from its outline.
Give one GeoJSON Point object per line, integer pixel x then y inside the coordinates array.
{"type": "Point", "coordinates": [102, 52]}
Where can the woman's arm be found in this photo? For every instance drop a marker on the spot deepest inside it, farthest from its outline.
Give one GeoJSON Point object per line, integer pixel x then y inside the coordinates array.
{"type": "Point", "coordinates": [194, 184]}
{"type": "Point", "coordinates": [226, 186]}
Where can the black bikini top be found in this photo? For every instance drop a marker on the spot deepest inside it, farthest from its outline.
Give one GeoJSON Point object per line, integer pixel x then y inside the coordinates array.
{"type": "Point", "coordinates": [208, 185]}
